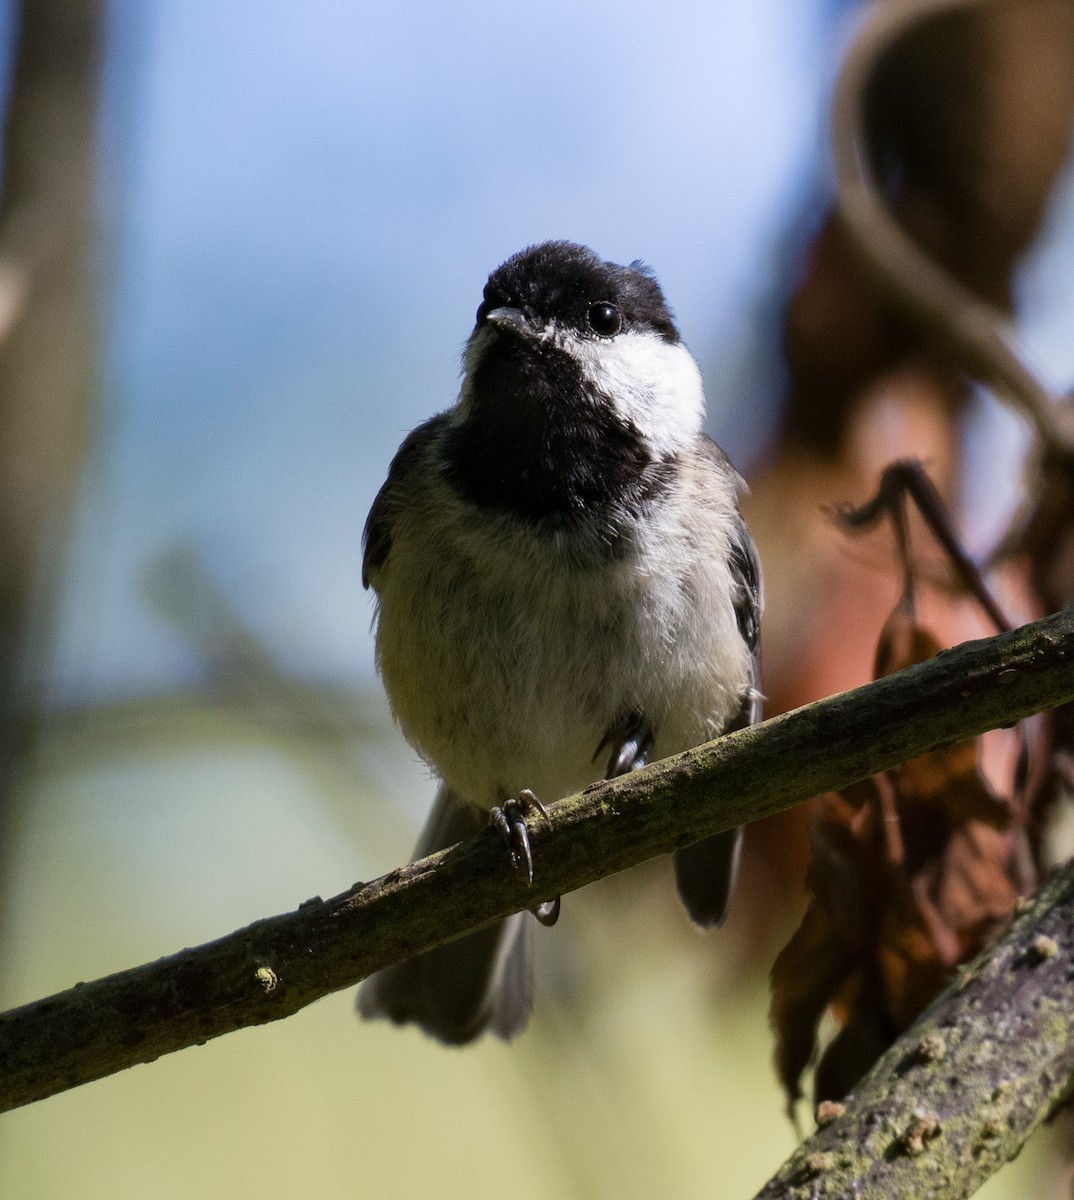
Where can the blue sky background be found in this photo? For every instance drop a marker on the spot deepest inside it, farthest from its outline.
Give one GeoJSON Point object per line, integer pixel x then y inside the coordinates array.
{"type": "Point", "coordinates": [300, 205]}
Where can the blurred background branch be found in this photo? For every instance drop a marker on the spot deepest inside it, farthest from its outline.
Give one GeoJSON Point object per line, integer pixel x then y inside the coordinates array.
{"type": "Point", "coordinates": [881, 128]}
{"type": "Point", "coordinates": [47, 342]}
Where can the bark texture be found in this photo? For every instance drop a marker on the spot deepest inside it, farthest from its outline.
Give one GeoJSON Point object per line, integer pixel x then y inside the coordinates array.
{"type": "Point", "coordinates": [959, 1093]}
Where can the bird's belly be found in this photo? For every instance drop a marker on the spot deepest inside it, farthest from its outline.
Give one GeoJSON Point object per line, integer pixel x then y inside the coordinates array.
{"type": "Point", "coordinates": [498, 702]}
{"type": "Point", "coordinates": [504, 684]}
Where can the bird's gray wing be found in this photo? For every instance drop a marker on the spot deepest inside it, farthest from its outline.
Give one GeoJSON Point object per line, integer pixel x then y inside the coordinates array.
{"type": "Point", "coordinates": [705, 872]}
{"type": "Point", "coordinates": [412, 456]}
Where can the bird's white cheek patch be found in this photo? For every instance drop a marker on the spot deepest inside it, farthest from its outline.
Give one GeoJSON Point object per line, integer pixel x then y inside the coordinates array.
{"type": "Point", "coordinates": [653, 384]}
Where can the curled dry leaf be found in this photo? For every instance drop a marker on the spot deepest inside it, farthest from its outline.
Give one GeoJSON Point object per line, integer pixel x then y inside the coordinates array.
{"type": "Point", "coordinates": [913, 872]}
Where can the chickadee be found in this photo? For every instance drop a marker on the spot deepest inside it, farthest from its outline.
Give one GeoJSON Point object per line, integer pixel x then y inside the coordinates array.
{"type": "Point", "coordinates": [565, 588]}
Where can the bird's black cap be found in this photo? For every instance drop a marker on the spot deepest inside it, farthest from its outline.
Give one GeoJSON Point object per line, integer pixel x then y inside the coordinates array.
{"type": "Point", "coordinates": [562, 281]}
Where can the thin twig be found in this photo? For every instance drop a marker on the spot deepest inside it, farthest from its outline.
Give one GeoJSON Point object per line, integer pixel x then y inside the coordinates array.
{"type": "Point", "coordinates": [908, 479]}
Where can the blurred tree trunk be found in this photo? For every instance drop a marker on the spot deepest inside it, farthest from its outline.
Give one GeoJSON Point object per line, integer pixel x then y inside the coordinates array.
{"type": "Point", "coordinates": [46, 336]}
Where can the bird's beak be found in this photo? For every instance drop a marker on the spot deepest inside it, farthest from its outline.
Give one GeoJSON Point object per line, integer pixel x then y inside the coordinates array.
{"type": "Point", "coordinates": [510, 318]}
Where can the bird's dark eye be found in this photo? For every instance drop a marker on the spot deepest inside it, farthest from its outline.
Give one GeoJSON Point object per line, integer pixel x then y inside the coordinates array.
{"type": "Point", "coordinates": [605, 318]}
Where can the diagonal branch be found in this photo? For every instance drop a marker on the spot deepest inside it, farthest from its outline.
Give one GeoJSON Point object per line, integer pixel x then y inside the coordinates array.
{"type": "Point", "coordinates": [957, 1096]}
{"type": "Point", "coordinates": [277, 966]}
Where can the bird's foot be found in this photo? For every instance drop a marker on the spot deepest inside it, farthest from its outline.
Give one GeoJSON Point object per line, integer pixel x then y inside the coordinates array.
{"type": "Point", "coordinates": [630, 741]}
{"type": "Point", "coordinates": [509, 821]}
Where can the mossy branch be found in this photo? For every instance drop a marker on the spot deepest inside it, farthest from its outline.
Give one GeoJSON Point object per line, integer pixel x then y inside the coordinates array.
{"type": "Point", "coordinates": [277, 966]}
{"type": "Point", "coordinates": [959, 1093]}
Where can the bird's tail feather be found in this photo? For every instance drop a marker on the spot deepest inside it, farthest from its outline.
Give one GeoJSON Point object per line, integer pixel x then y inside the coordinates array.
{"type": "Point", "coordinates": [483, 981]}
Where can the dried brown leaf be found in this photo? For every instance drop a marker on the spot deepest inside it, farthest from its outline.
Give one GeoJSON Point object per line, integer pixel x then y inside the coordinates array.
{"type": "Point", "coordinates": [913, 871]}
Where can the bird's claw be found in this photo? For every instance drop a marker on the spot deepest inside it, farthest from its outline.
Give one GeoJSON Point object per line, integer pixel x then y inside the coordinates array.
{"type": "Point", "coordinates": [509, 821]}
{"type": "Point", "coordinates": [547, 912]}
{"type": "Point", "coordinates": [630, 741]}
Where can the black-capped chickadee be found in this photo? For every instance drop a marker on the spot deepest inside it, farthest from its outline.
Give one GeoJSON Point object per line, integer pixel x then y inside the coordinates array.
{"type": "Point", "coordinates": [565, 589]}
